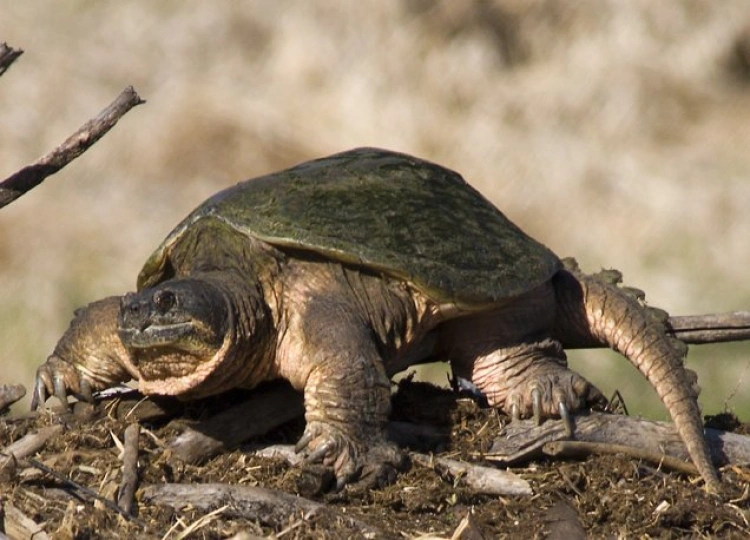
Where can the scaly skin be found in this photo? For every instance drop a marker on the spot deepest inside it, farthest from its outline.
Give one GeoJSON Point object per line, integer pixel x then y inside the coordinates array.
{"type": "Point", "coordinates": [515, 355]}
{"type": "Point", "coordinates": [594, 306]}
{"type": "Point", "coordinates": [89, 357]}
{"type": "Point", "coordinates": [336, 334]}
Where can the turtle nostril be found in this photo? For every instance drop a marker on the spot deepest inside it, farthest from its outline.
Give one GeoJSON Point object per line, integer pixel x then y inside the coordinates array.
{"type": "Point", "coordinates": [132, 309]}
{"type": "Point", "coordinates": [164, 301]}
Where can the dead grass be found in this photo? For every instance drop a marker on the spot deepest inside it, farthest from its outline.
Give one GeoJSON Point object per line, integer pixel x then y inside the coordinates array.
{"type": "Point", "coordinates": [613, 131]}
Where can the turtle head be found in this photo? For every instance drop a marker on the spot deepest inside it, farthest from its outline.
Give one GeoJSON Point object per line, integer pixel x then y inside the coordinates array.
{"type": "Point", "coordinates": [176, 333]}
{"type": "Point", "coordinates": [186, 315]}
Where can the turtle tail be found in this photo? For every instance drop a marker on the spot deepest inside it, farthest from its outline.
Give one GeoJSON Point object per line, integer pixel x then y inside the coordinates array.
{"type": "Point", "coordinates": [594, 310]}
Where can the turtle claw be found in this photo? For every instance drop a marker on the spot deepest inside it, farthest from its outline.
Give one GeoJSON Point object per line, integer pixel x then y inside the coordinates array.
{"type": "Point", "coordinates": [329, 445]}
{"type": "Point", "coordinates": [319, 455]}
{"type": "Point", "coordinates": [303, 442]}
{"type": "Point", "coordinates": [515, 412]}
{"type": "Point", "coordinates": [40, 394]}
{"type": "Point", "coordinates": [48, 383]}
{"type": "Point", "coordinates": [553, 391]}
{"type": "Point", "coordinates": [61, 391]}
{"type": "Point", "coordinates": [536, 403]}
{"type": "Point", "coordinates": [566, 419]}
{"type": "Point", "coordinates": [370, 464]}
{"type": "Point", "coordinates": [59, 378]}
{"type": "Point", "coordinates": [87, 393]}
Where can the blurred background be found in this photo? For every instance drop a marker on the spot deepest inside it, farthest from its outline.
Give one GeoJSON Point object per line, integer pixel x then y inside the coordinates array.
{"type": "Point", "coordinates": [617, 132]}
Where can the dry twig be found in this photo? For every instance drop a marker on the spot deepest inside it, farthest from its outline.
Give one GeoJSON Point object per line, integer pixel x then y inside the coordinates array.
{"type": "Point", "coordinates": [711, 328]}
{"type": "Point", "coordinates": [8, 55]}
{"type": "Point", "coordinates": [478, 478]}
{"type": "Point", "coordinates": [523, 441]}
{"type": "Point", "coordinates": [269, 407]}
{"type": "Point", "coordinates": [26, 446]}
{"type": "Point", "coordinates": [83, 490]}
{"type": "Point", "coordinates": [581, 449]}
{"type": "Point", "coordinates": [129, 482]}
{"type": "Point", "coordinates": [32, 175]}
{"type": "Point", "coordinates": [9, 394]}
{"type": "Point", "coordinates": [268, 506]}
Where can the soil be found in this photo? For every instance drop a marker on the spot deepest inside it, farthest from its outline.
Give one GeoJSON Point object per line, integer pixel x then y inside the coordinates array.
{"type": "Point", "coordinates": [598, 497]}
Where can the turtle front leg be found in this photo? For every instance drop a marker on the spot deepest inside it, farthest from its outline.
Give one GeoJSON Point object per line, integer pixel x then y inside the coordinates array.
{"type": "Point", "coordinates": [347, 404]}
{"type": "Point", "coordinates": [88, 357]}
{"type": "Point", "coordinates": [347, 398]}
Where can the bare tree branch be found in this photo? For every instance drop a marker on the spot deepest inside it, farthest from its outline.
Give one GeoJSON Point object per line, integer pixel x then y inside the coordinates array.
{"type": "Point", "coordinates": [129, 483]}
{"type": "Point", "coordinates": [8, 55]}
{"type": "Point", "coordinates": [582, 449]}
{"type": "Point", "coordinates": [479, 478]}
{"type": "Point", "coordinates": [9, 394]}
{"type": "Point", "coordinates": [33, 175]}
{"type": "Point", "coordinates": [699, 329]}
{"type": "Point", "coordinates": [268, 506]}
{"type": "Point", "coordinates": [269, 407]}
{"type": "Point", "coordinates": [711, 328]}
{"type": "Point", "coordinates": [524, 440]}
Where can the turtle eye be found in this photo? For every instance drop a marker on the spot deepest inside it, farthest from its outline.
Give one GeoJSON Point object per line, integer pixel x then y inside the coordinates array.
{"type": "Point", "coordinates": [164, 301]}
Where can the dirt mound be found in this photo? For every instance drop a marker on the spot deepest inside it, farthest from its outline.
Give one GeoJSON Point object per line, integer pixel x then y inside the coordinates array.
{"type": "Point", "coordinates": [240, 493]}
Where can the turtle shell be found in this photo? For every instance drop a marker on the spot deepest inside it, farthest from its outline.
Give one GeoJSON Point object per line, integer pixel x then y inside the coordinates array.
{"type": "Point", "coordinates": [388, 212]}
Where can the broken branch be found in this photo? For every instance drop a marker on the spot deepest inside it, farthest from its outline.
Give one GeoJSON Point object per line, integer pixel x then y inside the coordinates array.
{"type": "Point", "coordinates": [268, 506]}
{"type": "Point", "coordinates": [25, 446]}
{"type": "Point", "coordinates": [479, 478]}
{"type": "Point", "coordinates": [523, 441]}
{"type": "Point", "coordinates": [582, 449]}
{"type": "Point", "coordinates": [8, 55]}
{"type": "Point", "coordinates": [129, 468]}
{"type": "Point", "coordinates": [269, 407]}
{"type": "Point", "coordinates": [9, 394]}
{"type": "Point", "coordinates": [699, 329]}
{"type": "Point", "coordinates": [32, 175]}
{"type": "Point", "coordinates": [711, 328]}
{"type": "Point", "coordinates": [83, 490]}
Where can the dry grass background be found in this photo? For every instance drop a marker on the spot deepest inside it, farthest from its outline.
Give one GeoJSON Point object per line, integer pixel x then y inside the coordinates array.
{"type": "Point", "coordinates": [618, 132]}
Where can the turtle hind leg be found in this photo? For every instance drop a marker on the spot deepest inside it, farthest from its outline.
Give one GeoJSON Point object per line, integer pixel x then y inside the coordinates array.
{"type": "Point", "coordinates": [592, 309]}
{"type": "Point", "coordinates": [530, 380]}
{"type": "Point", "coordinates": [509, 355]}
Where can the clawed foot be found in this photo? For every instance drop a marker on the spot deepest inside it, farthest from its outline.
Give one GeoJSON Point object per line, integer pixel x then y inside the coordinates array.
{"type": "Point", "coordinates": [88, 357]}
{"type": "Point", "coordinates": [552, 392]}
{"type": "Point", "coordinates": [59, 378]}
{"type": "Point", "coordinates": [372, 463]}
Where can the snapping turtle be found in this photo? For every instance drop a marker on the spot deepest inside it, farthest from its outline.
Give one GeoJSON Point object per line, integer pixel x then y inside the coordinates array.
{"type": "Point", "coordinates": [339, 272]}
